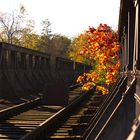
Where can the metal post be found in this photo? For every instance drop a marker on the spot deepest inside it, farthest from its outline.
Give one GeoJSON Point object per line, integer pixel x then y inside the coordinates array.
{"type": "Point", "coordinates": [135, 60]}
{"type": "Point", "coordinates": [131, 25]}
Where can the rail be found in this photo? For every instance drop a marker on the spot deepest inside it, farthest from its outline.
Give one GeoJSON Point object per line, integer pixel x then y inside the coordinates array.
{"type": "Point", "coordinates": [119, 104]}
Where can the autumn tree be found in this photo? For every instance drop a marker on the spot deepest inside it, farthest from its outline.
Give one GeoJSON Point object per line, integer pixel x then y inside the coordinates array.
{"type": "Point", "coordinates": [45, 37]}
{"type": "Point", "coordinates": [75, 47]}
{"type": "Point", "coordinates": [101, 47]}
{"type": "Point", "coordinates": [59, 45]}
{"type": "Point", "coordinates": [28, 37]}
{"type": "Point", "coordinates": [11, 24]}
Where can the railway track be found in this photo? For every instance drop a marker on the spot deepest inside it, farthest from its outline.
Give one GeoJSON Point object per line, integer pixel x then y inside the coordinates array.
{"type": "Point", "coordinates": [5, 104]}
{"type": "Point", "coordinates": [19, 125]}
{"type": "Point", "coordinates": [74, 93]}
{"type": "Point", "coordinates": [56, 122]}
{"type": "Point", "coordinates": [16, 121]}
{"type": "Point", "coordinates": [74, 124]}
{"type": "Point", "coordinates": [16, 109]}
{"type": "Point", "coordinates": [34, 120]}
{"type": "Point", "coordinates": [71, 121]}
{"type": "Point", "coordinates": [80, 119]}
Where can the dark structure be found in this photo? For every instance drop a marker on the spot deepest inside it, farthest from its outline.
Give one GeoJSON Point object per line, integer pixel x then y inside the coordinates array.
{"type": "Point", "coordinates": [23, 72]}
{"type": "Point", "coordinates": [129, 35]}
{"type": "Point", "coordinates": [120, 120]}
{"type": "Point", "coordinates": [26, 74]}
{"type": "Point", "coordinates": [118, 117]}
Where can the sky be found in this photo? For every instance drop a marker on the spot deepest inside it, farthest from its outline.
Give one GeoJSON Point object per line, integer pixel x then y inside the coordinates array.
{"type": "Point", "coordinates": [67, 17]}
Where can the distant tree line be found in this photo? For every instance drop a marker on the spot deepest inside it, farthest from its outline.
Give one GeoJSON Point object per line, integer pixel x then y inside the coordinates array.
{"type": "Point", "coordinates": [15, 28]}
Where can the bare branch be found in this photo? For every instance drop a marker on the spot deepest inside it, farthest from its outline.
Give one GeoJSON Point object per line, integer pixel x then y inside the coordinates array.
{"type": "Point", "coordinates": [4, 24]}
{"type": "Point", "coordinates": [13, 22]}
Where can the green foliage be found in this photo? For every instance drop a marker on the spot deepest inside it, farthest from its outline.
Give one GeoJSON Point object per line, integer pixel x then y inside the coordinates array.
{"type": "Point", "coordinates": [59, 45]}
{"type": "Point", "coordinates": [76, 45]}
{"type": "Point", "coordinates": [16, 29]}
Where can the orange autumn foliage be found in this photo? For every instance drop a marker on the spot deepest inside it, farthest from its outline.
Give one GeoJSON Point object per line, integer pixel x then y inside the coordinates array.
{"type": "Point", "coordinates": [102, 48]}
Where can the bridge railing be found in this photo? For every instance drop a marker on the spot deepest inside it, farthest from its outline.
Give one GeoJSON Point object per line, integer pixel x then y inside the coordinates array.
{"type": "Point", "coordinates": [64, 70]}
{"type": "Point", "coordinates": [25, 73]}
